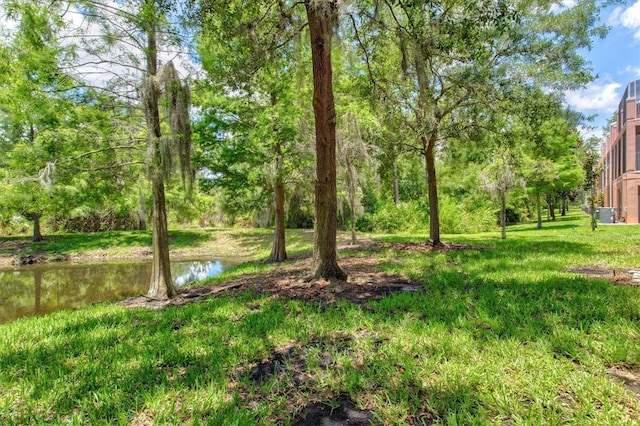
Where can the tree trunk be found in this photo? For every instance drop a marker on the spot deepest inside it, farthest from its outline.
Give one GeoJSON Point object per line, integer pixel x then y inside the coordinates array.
{"type": "Point", "coordinates": [37, 234]}
{"type": "Point", "coordinates": [141, 212]}
{"type": "Point", "coordinates": [321, 20]}
{"type": "Point", "coordinates": [161, 285]}
{"type": "Point", "coordinates": [432, 188]}
{"type": "Point", "coordinates": [428, 147]}
{"type": "Point", "coordinates": [503, 214]}
{"type": "Point", "coordinates": [563, 207]}
{"type": "Point", "coordinates": [396, 189]}
{"type": "Point", "coordinates": [592, 208]}
{"type": "Point", "coordinates": [539, 210]}
{"type": "Point", "coordinates": [353, 227]}
{"type": "Point", "coordinates": [278, 251]}
{"type": "Point", "coordinates": [352, 183]}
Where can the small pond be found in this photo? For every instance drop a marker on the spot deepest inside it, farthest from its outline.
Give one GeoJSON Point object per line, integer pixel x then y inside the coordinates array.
{"type": "Point", "coordinates": [41, 289]}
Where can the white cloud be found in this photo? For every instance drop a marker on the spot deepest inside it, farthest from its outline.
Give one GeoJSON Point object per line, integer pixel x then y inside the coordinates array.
{"type": "Point", "coordinates": [635, 71]}
{"type": "Point", "coordinates": [121, 63]}
{"type": "Point", "coordinates": [564, 4]}
{"type": "Point", "coordinates": [614, 18]}
{"type": "Point", "coordinates": [628, 18]}
{"type": "Point", "coordinates": [589, 132]}
{"type": "Point", "coordinates": [596, 97]}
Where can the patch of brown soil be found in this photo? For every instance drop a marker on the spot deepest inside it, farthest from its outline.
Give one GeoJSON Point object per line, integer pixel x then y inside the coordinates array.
{"type": "Point", "coordinates": [619, 276]}
{"type": "Point", "coordinates": [292, 371]}
{"type": "Point", "coordinates": [10, 250]}
{"type": "Point", "coordinates": [426, 247]}
{"type": "Point", "coordinates": [365, 282]}
{"type": "Point", "coordinates": [335, 413]}
{"type": "Point", "coordinates": [630, 379]}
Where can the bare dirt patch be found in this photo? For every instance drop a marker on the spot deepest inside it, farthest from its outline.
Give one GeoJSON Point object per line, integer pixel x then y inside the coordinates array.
{"type": "Point", "coordinates": [629, 378]}
{"type": "Point", "coordinates": [335, 413]}
{"type": "Point", "coordinates": [292, 371]}
{"type": "Point", "coordinates": [619, 276]}
{"type": "Point", "coordinates": [365, 282]}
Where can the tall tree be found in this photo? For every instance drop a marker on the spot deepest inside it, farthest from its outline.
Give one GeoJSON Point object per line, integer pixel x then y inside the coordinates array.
{"type": "Point", "coordinates": [322, 20]}
{"type": "Point", "coordinates": [32, 109]}
{"type": "Point", "coordinates": [119, 27]}
{"type": "Point", "coordinates": [250, 23]}
{"type": "Point", "coordinates": [592, 173]}
{"type": "Point", "coordinates": [499, 178]}
{"type": "Point", "coordinates": [452, 54]}
{"type": "Point", "coordinates": [250, 56]}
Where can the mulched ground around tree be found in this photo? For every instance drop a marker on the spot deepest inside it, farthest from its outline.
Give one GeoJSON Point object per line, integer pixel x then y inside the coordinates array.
{"type": "Point", "coordinates": [289, 280]}
{"type": "Point", "coordinates": [619, 276]}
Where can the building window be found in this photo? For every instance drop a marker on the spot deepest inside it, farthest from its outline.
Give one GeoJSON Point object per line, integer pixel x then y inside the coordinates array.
{"type": "Point", "coordinates": [623, 155]}
{"type": "Point", "coordinates": [637, 147]}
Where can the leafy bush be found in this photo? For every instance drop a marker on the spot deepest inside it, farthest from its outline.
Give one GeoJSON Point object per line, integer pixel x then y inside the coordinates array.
{"type": "Point", "coordinates": [412, 216]}
{"type": "Point", "coordinates": [389, 217]}
{"type": "Point", "coordinates": [14, 224]}
{"type": "Point", "coordinates": [512, 216]}
{"type": "Point", "coordinates": [89, 220]}
{"type": "Point", "coordinates": [456, 219]}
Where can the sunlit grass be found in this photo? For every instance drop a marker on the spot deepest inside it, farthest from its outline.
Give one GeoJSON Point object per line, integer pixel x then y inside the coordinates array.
{"type": "Point", "coordinates": [502, 334]}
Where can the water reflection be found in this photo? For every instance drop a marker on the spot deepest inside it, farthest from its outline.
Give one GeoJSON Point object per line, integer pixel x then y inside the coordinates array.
{"type": "Point", "coordinates": [46, 288]}
{"type": "Point", "coordinates": [188, 272]}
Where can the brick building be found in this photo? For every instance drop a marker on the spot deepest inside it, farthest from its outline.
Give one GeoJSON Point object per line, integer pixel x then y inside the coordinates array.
{"type": "Point", "coordinates": [620, 157]}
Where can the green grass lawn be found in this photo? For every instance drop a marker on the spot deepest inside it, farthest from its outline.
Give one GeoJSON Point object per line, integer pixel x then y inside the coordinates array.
{"type": "Point", "coordinates": [501, 334]}
{"type": "Point", "coordinates": [234, 242]}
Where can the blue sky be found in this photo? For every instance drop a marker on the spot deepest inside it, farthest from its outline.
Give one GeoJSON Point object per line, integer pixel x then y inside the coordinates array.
{"type": "Point", "coordinates": [615, 60]}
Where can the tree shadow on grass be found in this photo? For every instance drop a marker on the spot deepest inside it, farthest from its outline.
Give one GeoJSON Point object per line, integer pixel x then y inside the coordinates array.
{"type": "Point", "coordinates": [546, 226]}
{"type": "Point", "coordinates": [129, 363]}
{"type": "Point", "coordinates": [118, 363]}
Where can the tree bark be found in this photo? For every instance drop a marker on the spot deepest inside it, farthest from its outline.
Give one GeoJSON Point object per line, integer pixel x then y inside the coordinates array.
{"type": "Point", "coordinates": [161, 285]}
{"type": "Point", "coordinates": [503, 214]}
{"type": "Point", "coordinates": [352, 183]}
{"type": "Point", "coordinates": [539, 211]}
{"type": "Point", "coordinates": [321, 19]}
{"type": "Point", "coordinates": [432, 189]}
{"type": "Point", "coordinates": [592, 208]}
{"type": "Point", "coordinates": [428, 147]}
{"type": "Point", "coordinates": [278, 251]}
{"type": "Point", "coordinates": [396, 189]}
{"type": "Point", "coordinates": [141, 213]}
{"type": "Point", "coordinates": [37, 234]}
{"type": "Point", "coordinates": [353, 228]}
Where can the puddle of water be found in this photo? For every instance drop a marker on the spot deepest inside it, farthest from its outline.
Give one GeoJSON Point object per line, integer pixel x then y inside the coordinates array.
{"type": "Point", "coordinates": [41, 289]}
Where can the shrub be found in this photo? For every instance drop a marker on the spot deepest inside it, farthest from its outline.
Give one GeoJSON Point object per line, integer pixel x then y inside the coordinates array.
{"type": "Point", "coordinates": [108, 219]}
{"type": "Point", "coordinates": [389, 217]}
{"type": "Point", "coordinates": [456, 218]}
